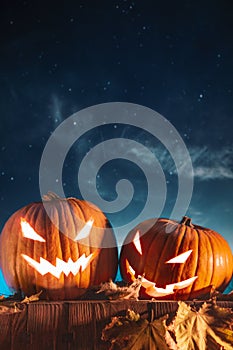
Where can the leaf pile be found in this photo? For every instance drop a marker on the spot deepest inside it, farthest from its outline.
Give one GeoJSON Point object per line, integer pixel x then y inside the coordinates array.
{"type": "Point", "coordinates": [208, 327]}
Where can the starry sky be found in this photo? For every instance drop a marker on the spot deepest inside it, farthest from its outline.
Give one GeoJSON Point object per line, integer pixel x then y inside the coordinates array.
{"type": "Point", "coordinates": [173, 57]}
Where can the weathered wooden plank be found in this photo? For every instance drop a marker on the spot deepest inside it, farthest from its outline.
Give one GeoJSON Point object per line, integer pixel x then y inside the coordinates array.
{"type": "Point", "coordinates": [71, 325]}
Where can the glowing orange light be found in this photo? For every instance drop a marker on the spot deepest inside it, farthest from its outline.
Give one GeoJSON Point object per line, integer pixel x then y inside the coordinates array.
{"type": "Point", "coordinates": [130, 270]}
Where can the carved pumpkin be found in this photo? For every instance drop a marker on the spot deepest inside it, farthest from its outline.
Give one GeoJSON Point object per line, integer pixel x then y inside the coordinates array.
{"type": "Point", "coordinates": [176, 260]}
{"type": "Point", "coordinates": [63, 256]}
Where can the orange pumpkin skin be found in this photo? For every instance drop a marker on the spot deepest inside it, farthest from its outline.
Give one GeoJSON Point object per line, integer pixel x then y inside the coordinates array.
{"type": "Point", "coordinates": [211, 258]}
{"type": "Point", "coordinates": [66, 215]}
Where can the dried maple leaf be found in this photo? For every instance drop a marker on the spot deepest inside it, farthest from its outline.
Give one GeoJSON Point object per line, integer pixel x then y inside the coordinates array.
{"type": "Point", "coordinates": [170, 341]}
{"type": "Point", "coordinates": [134, 333]}
{"type": "Point", "coordinates": [34, 297]}
{"type": "Point", "coordinates": [8, 309]}
{"type": "Point", "coordinates": [208, 328]}
{"type": "Point", "coordinates": [112, 291]}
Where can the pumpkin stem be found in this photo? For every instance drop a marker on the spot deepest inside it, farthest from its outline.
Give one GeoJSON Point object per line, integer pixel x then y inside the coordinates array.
{"type": "Point", "coordinates": [186, 221]}
{"type": "Point", "coordinates": [50, 196]}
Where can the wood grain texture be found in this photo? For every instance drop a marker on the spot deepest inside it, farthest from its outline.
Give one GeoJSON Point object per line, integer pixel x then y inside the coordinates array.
{"type": "Point", "coordinates": [72, 325]}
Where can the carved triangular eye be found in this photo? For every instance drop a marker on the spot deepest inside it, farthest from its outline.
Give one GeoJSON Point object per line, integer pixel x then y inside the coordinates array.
{"type": "Point", "coordinates": [29, 232]}
{"type": "Point", "coordinates": [85, 231]}
{"type": "Point", "coordinates": [137, 242]}
{"type": "Point", "coordinates": [180, 259]}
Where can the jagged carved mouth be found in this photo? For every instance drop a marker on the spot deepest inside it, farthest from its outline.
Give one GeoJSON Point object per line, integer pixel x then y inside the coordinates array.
{"type": "Point", "coordinates": [156, 292]}
{"type": "Point", "coordinates": [73, 267]}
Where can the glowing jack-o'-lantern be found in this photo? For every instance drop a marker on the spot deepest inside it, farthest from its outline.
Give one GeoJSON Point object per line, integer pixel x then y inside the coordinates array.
{"type": "Point", "coordinates": [176, 260]}
{"type": "Point", "coordinates": [63, 256]}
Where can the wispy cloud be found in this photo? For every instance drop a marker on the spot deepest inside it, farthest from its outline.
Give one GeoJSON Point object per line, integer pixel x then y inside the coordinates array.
{"type": "Point", "coordinates": [56, 110]}
{"type": "Point", "coordinates": [217, 172]}
{"type": "Point", "coordinates": [208, 164]}
{"type": "Point", "coordinates": [212, 164]}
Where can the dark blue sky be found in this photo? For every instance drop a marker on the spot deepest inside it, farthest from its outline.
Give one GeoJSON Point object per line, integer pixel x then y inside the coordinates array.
{"type": "Point", "coordinates": [60, 57]}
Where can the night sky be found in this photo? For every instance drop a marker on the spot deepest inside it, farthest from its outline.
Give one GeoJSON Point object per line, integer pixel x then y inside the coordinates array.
{"type": "Point", "coordinates": [173, 57]}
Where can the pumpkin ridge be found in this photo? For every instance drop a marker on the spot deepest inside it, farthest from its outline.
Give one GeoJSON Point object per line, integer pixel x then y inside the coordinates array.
{"type": "Point", "coordinates": [143, 262]}
{"type": "Point", "coordinates": [226, 264]}
{"type": "Point", "coordinates": [74, 248]}
{"type": "Point", "coordinates": [27, 213]}
{"type": "Point", "coordinates": [197, 252]}
{"type": "Point", "coordinates": [210, 233]}
{"type": "Point", "coordinates": [55, 246]}
{"type": "Point", "coordinates": [183, 246]}
{"type": "Point", "coordinates": [79, 204]}
{"type": "Point", "coordinates": [210, 272]}
{"type": "Point", "coordinates": [65, 240]}
{"type": "Point", "coordinates": [150, 245]}
{"type": "Point", "coordinates": [140, 266]}
{"type": "Point", "coordinates": [179, 242]}
{"type": "Point", "coordinates": [219, 243]}
{"type": "Point", "coordinates": [47, 224]}
{"type": "Point", "coordinates": [212, 252]}
{"type": "Point", "coordinates": [74, 203]}
{"type": "Point", "coordinates": [35, 214]}
{"type": "Point", "coordinates": [223, 246]}
{"type": "Point", "coordinates": [14, 255]}
{"type": "Point", "coordinates": [212, 244]}
{"type": "Point", "coordinates": [158, 257]}
{"type": "Point", "coordinates": [104, 258]}
{"type": "Point", "coordinates": [52, 246]}
{"type": "Point", "coordinates": [165, 239]}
